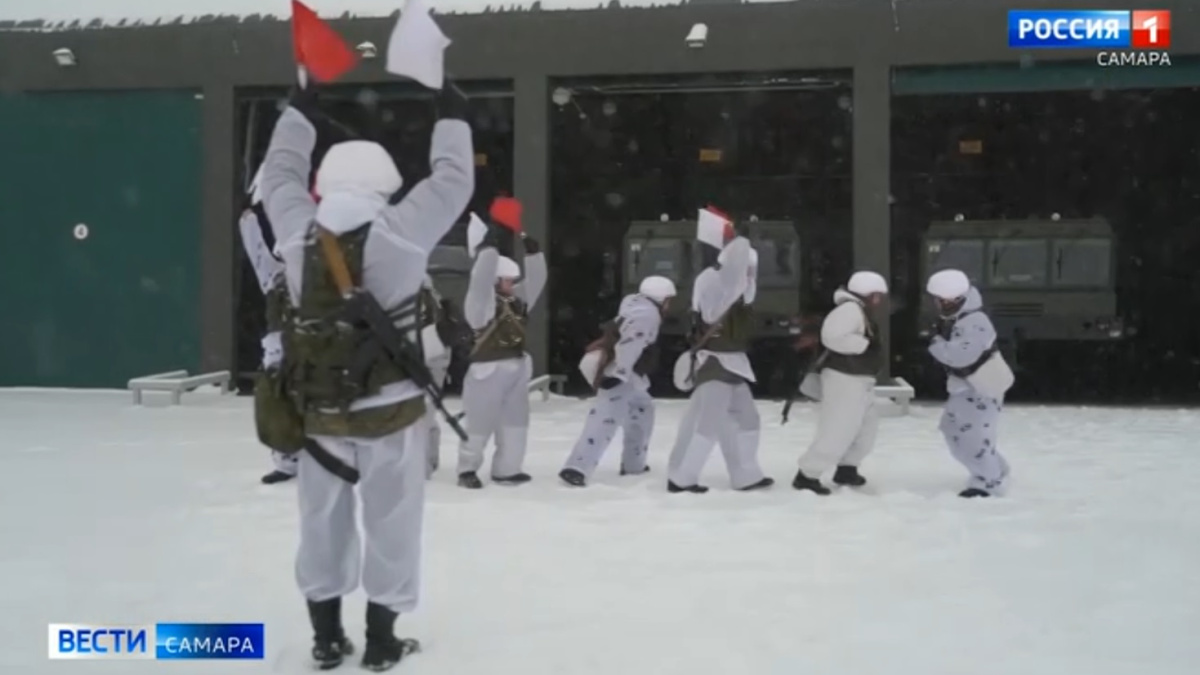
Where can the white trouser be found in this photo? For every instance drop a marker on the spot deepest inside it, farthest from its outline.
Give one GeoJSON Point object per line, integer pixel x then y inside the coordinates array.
{"type": "Point", "coordinates": [626, 407]}
{"type": "Point", "coordinates": [847, 421]}
{"type": "Point", "coordinates": [718, 412]}
{"type": "Point", "coordinates": [496, 401]}
{"type": "Point", "coordinates": [392, 492]}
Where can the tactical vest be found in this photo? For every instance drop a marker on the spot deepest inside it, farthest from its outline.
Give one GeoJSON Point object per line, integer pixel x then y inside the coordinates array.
{"type": "Point", "coordinates": [734, 332]}
{"type": "Point", "coordinates": [731, 336]}
{"type": "Point", "coordinates": [278, 304]}
{"type": "Point", "coordinates": [331, 363]}
{"type": "Point", "coordinates": [504, 337]}
{"type": "Point", "coordinates": [867, 364]}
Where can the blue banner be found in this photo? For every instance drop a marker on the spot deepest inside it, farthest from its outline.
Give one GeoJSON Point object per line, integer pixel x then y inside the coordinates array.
{"type": "Point", "coordinates": [1069, 29]}
{"type": "Point", "coordinates": [179, 641]}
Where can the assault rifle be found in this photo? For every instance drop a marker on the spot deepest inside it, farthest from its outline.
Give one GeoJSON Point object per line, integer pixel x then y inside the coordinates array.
{"type": "Point", "coordinates": [362, 307]}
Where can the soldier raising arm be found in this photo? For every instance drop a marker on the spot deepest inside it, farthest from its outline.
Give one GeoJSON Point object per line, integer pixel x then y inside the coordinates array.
{"type": "Point", "coordinates": [361, 408]}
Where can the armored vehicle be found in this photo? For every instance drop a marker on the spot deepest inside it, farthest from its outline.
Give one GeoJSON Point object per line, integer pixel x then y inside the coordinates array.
{"type": "Point", "coordinates": [670, 249]}
{"type": "Point", "coordinates": [1041, 280]}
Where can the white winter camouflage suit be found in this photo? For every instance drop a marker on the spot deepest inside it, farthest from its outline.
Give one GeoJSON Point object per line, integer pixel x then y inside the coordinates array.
{"type": "Point", "coordinates": [627, 406]}
{"type": "Point", "coordinates": [847, 420]}
{"type": "Point", "coordinates": [970, 419]}
{"type": "Point", "coordinates": [719, 412]}
{"type": "Point", "coordinates": [496, 393]}
{"type": "Point", "coordinates": [268, 271]}
{"type": "Point", "coordinates": [330, 559]}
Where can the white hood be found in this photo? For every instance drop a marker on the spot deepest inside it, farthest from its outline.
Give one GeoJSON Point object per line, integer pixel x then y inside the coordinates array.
{"type": "Point", "coordinates": [357, 166]}
{"type": "Point", "coordinates": [344, 211]}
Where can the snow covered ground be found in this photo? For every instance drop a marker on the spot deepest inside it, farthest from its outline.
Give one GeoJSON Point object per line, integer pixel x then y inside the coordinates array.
{"type": "Point", "coordinates": [115, 514]}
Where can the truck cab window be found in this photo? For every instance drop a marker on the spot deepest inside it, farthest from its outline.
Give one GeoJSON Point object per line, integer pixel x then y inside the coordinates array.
{"type": "Point", "coordinates": [1017, 263]}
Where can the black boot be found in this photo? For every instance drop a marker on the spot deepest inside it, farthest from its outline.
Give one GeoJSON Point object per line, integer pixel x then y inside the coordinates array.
{"type": "Point", "coordinates": [330, 644]}
{"type": "Point", "coordinates": [645, 469]}
{"type": "Point", "coordinates": [849, 476]}
{"type": "Point", "coordinates": [971, 493]}
{"type": "Point", "coordinates": [573, 477]}
{"type": "Point", "coordinates": [694, 489]}
{"type": "Point", "coordinates": [802, 482]}
{"type": "Point", "coordinates": [515, 479]}
{"type": "Point", "coordinates": [760, 485]}
{"type": "Point", "coordinates": [276, 477]}
{"type": "Point", "coordinates": [384, 650]}
{"type": "Point", "coordinates": [469, 480]}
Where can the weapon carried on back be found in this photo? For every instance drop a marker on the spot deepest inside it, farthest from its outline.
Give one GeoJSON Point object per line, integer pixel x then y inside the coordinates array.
{"type": "Point", "coordinates": [362, 307]}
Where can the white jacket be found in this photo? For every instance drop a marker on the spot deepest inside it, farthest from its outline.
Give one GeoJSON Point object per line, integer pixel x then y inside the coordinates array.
{"type": "Point", "coordinates": [844, 330]}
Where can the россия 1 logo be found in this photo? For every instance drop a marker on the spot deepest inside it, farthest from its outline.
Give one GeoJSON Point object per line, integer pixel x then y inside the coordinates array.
{"type": "Point", "coordinates": [1147, 33]}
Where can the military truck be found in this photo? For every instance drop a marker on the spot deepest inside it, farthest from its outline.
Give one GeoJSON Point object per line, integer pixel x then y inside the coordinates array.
{"type": "Point", "coordinates": [670, 249]}
{"type": "Point", "coordinates": [1041, 280]}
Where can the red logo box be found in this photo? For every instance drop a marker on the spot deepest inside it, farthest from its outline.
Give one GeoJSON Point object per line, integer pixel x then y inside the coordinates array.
{"type": "Point", "coordinates": [1151, 29]}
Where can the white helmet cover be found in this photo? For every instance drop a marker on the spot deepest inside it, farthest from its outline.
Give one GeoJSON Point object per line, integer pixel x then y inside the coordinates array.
{"type": "Point", "coordinates": [507, 268]}
{"type": "Point", "coordinates": [657, 288]}
{"type": "Point", "coordinates": [865, 283]}
{"type": "Point", "coordinates": [358, 165]}
{"type": "Point", "coordinates": [948, 285]}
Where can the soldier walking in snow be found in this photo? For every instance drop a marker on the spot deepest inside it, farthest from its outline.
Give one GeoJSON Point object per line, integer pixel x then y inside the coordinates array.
{"type": "Point", "coordinates": [852, 359]}
{"type": "Point", "coordinates": [624, 357]}
{"type": "Point", "coordinates": [721, 408]}
{"type": "Point", "coordinates": [977, 378]}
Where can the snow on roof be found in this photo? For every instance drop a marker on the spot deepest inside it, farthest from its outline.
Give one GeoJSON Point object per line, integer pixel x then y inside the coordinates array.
{"type": "Point", "coordinates": [75, 14]}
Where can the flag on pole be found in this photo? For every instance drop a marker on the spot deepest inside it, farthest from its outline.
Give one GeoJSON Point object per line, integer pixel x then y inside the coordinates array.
{"type": "Point", "coordinates": [318, 47]}
{"type": "Point", "coordinates": [507, 212]}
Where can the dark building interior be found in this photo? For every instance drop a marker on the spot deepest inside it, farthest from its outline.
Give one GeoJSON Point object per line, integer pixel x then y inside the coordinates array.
{"type": "Point", "coordinates": [1128, 156]}
{"type": "Point", "coordinates": [624, 151]}
{"type": "Point", "coordinates": [775, 147]}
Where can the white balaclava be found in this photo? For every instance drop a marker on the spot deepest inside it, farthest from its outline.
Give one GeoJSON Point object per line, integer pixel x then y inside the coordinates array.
{"type": "Point", "coordinates": [358, 166]}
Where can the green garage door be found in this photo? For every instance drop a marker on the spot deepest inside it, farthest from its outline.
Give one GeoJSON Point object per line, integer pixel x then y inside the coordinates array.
{"type": "Point", "coordinates": [99, 237]}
